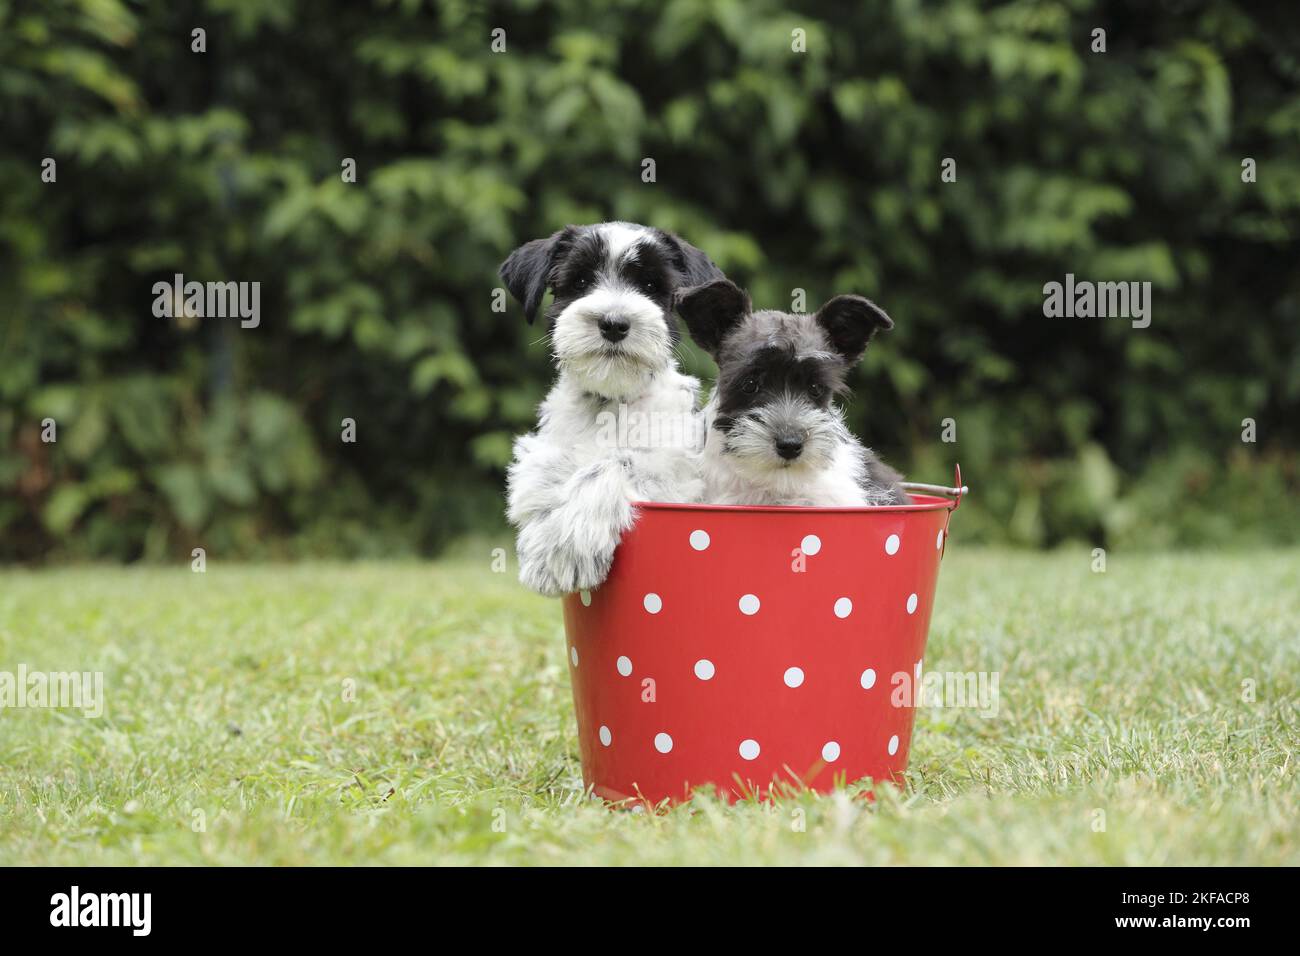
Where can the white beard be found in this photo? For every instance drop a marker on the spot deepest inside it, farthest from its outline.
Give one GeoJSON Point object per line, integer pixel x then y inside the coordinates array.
{"type": "Point", "coordinates": [626, 374]}
{"type": "Point", "coordinates": [839, 482]}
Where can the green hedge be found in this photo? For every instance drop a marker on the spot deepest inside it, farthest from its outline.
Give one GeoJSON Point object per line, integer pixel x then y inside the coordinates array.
{"type": "Point", "coordinates": [817, 170]}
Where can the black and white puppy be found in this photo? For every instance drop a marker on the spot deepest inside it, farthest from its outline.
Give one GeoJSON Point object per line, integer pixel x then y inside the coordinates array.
{"type": "Point", "coordinates": [774, 435]}
{"type": "Point", "coordinates": [612, 332]}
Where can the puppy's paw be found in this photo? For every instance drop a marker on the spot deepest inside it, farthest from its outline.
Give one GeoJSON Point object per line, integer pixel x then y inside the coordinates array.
{"type": "Point", "coordinates": [581, 557]}
{"type": "Point", "coordinates": [593, 557]}
{"type": "Point", "coordinates": [602, 478]}
{"type": "Point", "coordinates": [591, 572]}
{"type": "Point", "coordinates": [534, 548]}
{"type": "Point", "coordinates": [570, 567]}
{"type": "Point", "coordinates": [572, 547]}
{"type": "Point", "coordinates": [536, 576]}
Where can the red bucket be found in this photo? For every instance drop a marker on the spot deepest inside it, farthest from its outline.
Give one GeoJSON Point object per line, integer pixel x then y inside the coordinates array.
{"type": "Point", "coordinates": [742, 647]}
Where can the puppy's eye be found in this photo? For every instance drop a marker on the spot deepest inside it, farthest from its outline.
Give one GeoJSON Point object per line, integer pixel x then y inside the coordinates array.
{"type": "Point", "coordinates": [650, 287]}
{"type": "Point", "coordinates": [816, 390]}
{"type": "Point", "coordinates": [581, 282]}
{"type": "Point", "coordinates": [749, 386]}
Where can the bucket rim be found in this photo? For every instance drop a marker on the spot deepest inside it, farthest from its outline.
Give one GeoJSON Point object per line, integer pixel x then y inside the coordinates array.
{"type": "Point", "coordinates": [919, 503]}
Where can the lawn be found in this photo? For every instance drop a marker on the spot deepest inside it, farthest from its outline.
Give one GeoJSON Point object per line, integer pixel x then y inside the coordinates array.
{"type": "Point", "coordinates": [420, 713]}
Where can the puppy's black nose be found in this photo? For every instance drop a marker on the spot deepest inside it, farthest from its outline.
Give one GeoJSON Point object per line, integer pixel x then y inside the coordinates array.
{"type": "Point", "coordinates": [613, 328]}
{"type": "Point", "coordinates": [789, 448]}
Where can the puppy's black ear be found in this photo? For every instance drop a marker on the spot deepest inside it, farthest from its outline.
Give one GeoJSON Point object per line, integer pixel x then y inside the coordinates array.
{"type": "Point", "coordinates": [711, 311]}
{"type": "Point", "coordinates": [526, 271]}
{"type": "Point", "coordinates": [850, 321]}
{"type": "Point", "coordinates": [694, 266]}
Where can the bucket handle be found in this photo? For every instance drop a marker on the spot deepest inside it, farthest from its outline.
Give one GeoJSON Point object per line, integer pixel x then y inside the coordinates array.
{"type": "Point", "coordinates": [956, 493]}
{"type": "Point", "coordinates": [942, 490]}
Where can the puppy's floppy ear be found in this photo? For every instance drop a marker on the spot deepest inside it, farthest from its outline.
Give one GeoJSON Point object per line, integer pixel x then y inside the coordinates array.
{"type": "Point", "coordinates": [693, 265]}
{"type": "Point", "coordinates": [850, 321]}
{"type": "Point", "coordinates": [711, 311]}
{"type": "Point", "coordinates": [526, 271]}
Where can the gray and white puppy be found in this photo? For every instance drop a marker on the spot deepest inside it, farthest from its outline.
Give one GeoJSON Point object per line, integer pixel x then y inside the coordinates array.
{"type": "Point", "coordinates": [774, 435]}
{"type": "Point", "coordinates": [612, 331]}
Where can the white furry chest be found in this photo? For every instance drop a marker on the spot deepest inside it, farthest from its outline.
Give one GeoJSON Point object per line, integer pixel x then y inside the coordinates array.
{"type": "Point", "coordinates": [657, 433]}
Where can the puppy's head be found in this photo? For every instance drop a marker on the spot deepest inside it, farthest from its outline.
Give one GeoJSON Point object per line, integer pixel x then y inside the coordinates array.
{"type": "Point", "coordinates": [610, 322]}
{"type": "Point", "coordinates": [777, 375]}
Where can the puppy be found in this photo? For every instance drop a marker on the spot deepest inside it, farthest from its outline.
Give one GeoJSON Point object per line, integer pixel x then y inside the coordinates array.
{"type": "Point", "coordinates": [774, 437]}
{"type": "Point", "coordinates": [572, 482]}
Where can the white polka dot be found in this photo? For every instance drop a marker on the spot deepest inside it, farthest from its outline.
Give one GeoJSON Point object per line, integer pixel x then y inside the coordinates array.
{"type": "Point", "coordinates": [605, 736]}
{"type": "Point", "coordinates": [831, 751]}
{"type": "Point", "coordinates": [699, 540]}
{"type": "Point", "coordinates": [585, 596]}
{"type": "Point", "coordinates": [749, 604]}
{"type": "Point", "coordinates": [664, 743]}
{"type": "Point", "coordinates": [843, 607]}
{"type": "Point", "coordinates": [793, 676]}
{"type": "Point", "coordinates": [624, 665]}
{"type": "Point", "coordinates": [938, 541]}
{"type": "Point", "coordinates": [868, 679]}
{"type": "Point", "coordinates": [653, 603]}
{"type": "Point", "coordinates": [573, 655]}
{"type": "Point", "coordinates": [810, 544]}
{"type": "Point", "coordinates": [893, 745]}
{"type": "Point", "coordinates": [749, 749]}
{"type": "Point", "coordinates": [911, 604]}
{"type": "Point", "coordinates": [704, 669]}
{"type": "Point", "coordinates": [891, 544]}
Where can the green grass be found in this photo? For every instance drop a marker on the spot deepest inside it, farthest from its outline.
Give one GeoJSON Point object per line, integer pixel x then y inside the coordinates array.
{"type": "Point", "coordinates": [1121, 695]}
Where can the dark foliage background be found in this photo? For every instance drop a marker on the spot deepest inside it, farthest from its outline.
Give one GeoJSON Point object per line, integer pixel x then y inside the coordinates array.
{"type": "Point", "coordinates": [817, 171]}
